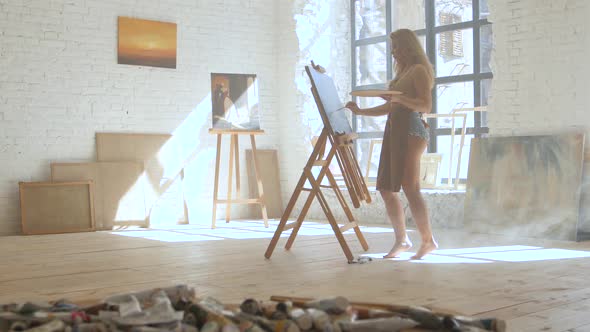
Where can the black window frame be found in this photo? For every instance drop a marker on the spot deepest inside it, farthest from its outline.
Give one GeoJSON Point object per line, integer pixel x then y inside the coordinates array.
{"type": "Point", "coordinates": [429, 32]}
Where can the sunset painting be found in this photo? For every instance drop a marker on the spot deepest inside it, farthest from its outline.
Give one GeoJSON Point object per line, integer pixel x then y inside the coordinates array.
{"type": "Point", "coordinates": [147, 43]}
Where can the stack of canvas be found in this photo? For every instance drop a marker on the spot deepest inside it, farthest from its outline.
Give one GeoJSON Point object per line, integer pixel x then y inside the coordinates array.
{"type": "Point", "coordinates": [134, 177]}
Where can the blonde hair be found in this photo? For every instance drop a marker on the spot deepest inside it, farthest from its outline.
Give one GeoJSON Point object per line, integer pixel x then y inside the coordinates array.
{"type": "Point", "coordinates": [411, 52]}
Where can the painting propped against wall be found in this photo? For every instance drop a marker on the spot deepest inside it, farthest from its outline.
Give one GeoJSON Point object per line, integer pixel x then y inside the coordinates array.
{"type": "Point", "coordinates": [234, 99]}
{"type": "Point", "coordinates": [147, 43]}
{"type": "Point", "coordinates": [526, 186]}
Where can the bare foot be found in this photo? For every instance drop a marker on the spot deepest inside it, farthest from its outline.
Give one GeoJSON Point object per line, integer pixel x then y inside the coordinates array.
{"type": "Point", "coordinates": [398, 248]}
{"type": "Point", "coordinates": [425, 249]}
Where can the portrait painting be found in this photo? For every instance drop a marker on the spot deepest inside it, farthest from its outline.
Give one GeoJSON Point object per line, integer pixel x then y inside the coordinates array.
{"type": "Point", "coordinates": [234, 99]}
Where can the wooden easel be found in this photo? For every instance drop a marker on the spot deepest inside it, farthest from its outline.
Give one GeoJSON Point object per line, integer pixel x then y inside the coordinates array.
{"type": "Point", "coordinates": [234, 149]}
{"type": "Point", "coordinates": [341, 148]}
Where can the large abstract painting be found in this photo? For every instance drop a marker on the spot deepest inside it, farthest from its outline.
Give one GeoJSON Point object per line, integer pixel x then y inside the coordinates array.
{"type": "Point", "coordinates": [147, 43]}
{"type": "Point", "coordinates": [526, 186]}
{"type": "Point", "coordinates": [234, 99]}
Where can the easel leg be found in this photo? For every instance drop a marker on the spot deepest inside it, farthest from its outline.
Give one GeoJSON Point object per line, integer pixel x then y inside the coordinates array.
{"type": "Point", "coordinates": [261, 196]}
{"type": "Point", "coordinates": [293, 200]}
{"type": "Point", "coordinates": [299, 221]}
{"type": "Point", "coordinates": [216, 185]}
{"type": "Point", "coordinates": [348, 180]}
{"type": "Point", "coordinates": [237, 152]}
{"type": "Point", "coordinates": [315, 192]}
{"type": "Point", "coordinates": [229, 178]}
{"type": "Point", "coordinates": [331, 219]}
{"type": "Point", "coordinates": [346, 209]}
{"type": "Point", "coordinates": [321, 148]}
{"type": "Point", "coordinates": [364, 190]}
{"type": "Point", "coordinates": [285, 217]}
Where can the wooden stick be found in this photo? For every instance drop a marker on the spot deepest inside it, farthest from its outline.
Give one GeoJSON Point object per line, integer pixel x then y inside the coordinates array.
{"type": "Point", "coordinates": [294, 196]}
{"type": "Point", "coordinates": [364, 187]}
{"type": "Point", "coordinates": [325, 169]}
{"type": "Point", "coordinates": [237, 151]}
{"type": "Point", "coordinates": [229, 179]}
{"type": "Point", "coordinates": [216, 184]}
{"type": "Point", "coordinates": [302, 303]}
{"type": "Point", "coordinates": [331, 219]}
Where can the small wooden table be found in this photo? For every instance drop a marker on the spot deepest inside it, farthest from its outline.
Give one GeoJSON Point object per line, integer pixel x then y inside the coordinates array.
{"type": "Point", "coordinates": [234, 149]}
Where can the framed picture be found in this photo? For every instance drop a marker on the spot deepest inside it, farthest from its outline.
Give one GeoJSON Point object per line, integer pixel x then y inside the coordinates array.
{"type": "Point", "coordinates": [147, 43]}
{"type": "Point", "coordinates": [234, 101]}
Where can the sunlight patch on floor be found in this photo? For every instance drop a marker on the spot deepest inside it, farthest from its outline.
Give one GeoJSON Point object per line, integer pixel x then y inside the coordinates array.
{"type": "Point", "coordinates": [432, 259]}
{"type": "Point", "coordinates": [165, 236]}
{"type": "Point", "coordinates": [464, 251]}
{"type": "Point", "coordinates": [235, 230]}
{"type": "Point", "coordinates": [531, 255]}
{"type": "Point", "coordinates": [516, 253]}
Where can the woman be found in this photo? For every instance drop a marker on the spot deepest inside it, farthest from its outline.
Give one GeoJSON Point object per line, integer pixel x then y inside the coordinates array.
{"type": "Point", "coordinates": [404, 140]}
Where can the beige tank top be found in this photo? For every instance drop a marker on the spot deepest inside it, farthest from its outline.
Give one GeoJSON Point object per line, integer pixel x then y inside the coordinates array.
{"type": "Point", "coordinates": [405, 84]}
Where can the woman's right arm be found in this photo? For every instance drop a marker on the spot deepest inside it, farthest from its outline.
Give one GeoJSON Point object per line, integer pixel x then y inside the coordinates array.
{"type": "Point", "coordinates": [380, 110]}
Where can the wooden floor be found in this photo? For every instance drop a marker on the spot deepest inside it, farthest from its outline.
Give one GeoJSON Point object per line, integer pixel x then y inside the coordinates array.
{"type": "Point", "coordinates": [535, 285]}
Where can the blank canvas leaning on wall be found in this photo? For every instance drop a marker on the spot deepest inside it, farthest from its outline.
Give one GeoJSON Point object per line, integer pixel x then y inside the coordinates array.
{"type": "Point", "coordinates": [119, 190]}
{"type": "Point", "coordinates": [268, 162]}
{"type": "Point", "coordinates": [60, 207]}
{"type": "Point", "coordinates": [163, 169]}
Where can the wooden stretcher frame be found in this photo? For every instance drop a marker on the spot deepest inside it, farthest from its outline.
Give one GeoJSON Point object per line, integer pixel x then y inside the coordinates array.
{"type": "Point", "coordinates": [28, 228]}
{"type": "Point", "coordinates": [340, 149]}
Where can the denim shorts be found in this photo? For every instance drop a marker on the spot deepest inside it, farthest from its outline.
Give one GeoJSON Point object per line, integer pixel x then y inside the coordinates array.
{"type": "Point", "coordinates": [417, 126]}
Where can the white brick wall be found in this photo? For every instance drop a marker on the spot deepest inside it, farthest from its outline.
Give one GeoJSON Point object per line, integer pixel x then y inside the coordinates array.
{"type": "Point", "coordinates": [541, 72]}
{"type": "Point", "coordinates": [309, 30]}
{"type": "Point", "coordinates": [60, 83]}
{"type": "Point", "coordinates": [540, 66]}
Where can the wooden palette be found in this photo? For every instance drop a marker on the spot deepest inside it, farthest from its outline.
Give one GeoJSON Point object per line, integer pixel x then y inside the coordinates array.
{"type": "Point", "coordinates": [374, 93]}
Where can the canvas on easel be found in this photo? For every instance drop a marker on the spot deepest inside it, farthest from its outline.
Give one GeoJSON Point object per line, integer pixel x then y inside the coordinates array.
{"type": "Point", "coordinates": [335, 142]}
{"type": "Point", "coordinates": [234, 102]}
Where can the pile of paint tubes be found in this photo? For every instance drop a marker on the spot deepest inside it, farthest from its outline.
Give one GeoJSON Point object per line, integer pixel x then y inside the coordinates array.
{"type": "Point", "coordinates": [178, 309]}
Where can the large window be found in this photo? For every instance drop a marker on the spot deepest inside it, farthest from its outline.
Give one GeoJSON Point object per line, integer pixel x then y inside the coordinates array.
{"type": "Point", "coordinates": [457, 38]}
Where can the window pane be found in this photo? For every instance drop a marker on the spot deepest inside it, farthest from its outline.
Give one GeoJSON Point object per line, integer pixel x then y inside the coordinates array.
{"type": "Point", "coordinates": [486, 87]}
{"type": "Point", "coordinates": [448, 165]}
{"type": "Point", "coordinates": [369, 18]}
{"type": "Point", "coordinates": [453, 11]}
{"type": "Point", "coordinates": [408, 14]}
{"type": "Point", "coordinates": [370, 123]}
{"type": "Point", "coordinates": [371, 63]}
{"type": "Point", "coordinates": [486, 44]}
{"type": "Point", "coordinates": [454, 53]}
{"type": "Point", "coordinates": [484, 10]}
{"type": "Point", "coordinates": [423, 42]}
{"type": "Point", "coordinates": [369, 158]}
{"type": "Point", "coordinates": [452, 96]}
